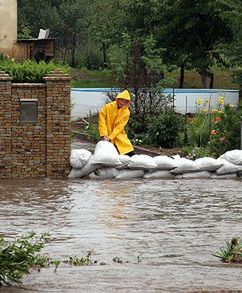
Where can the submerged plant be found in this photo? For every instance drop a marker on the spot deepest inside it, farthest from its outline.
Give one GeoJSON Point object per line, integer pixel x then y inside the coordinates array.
{"type": "Point", "coordinates": [232, 252]}
{"type": "Point", "coordinates": [81, 261]}
{"type": "Point", "coordinates": [17, 258]}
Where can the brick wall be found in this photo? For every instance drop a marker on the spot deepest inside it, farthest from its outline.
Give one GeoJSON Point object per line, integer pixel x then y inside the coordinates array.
{"type": "Point", "coordinates": [41, 148]}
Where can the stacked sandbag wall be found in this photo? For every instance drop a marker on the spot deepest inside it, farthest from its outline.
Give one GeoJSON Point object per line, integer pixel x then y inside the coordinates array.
{"type": "Point", "coordinates": [106, 163]}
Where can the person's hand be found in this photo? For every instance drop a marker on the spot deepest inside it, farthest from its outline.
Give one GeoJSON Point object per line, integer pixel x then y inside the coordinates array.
{"type": "Point", "coordinates": [105, 138]}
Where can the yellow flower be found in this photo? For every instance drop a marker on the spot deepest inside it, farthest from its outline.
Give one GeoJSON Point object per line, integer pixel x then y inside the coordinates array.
{"type": "Point", "coordinates": [221, 100]}
{"type": "Point", "coordinates": [205, 110]}
{"type": "Point", "coordinates": [200, 101]}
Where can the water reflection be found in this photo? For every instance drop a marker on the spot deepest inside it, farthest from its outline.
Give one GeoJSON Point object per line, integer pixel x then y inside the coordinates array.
{"type": "Point", "coordinates": [175, 226]}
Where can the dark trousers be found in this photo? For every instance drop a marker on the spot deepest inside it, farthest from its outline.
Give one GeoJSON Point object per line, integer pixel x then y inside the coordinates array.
{"type": "Point", "coordinates": [130, 154]}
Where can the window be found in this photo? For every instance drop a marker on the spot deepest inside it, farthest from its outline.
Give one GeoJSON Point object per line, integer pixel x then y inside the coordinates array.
{"type": "Point", "coordinates": [28, 110]}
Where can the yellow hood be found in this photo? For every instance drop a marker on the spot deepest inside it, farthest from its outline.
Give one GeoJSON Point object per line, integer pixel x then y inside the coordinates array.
{"type": "Point", "coordinates": [124, 95]}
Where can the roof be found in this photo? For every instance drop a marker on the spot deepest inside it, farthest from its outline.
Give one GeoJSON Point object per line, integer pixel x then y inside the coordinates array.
{"type": "Point", "coordinates": [35, 40]}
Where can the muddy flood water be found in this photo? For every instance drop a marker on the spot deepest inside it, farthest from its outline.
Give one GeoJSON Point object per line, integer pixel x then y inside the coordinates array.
{"type": "Point", "coordinates": [167, 230]}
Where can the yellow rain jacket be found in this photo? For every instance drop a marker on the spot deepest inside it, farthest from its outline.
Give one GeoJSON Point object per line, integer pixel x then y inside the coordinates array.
{"type": "Point", "coordinates": [112, 122]}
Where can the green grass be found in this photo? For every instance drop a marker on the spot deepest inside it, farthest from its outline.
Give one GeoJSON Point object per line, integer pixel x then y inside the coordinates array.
{"type": "Point", "coordinates": [84, 78]}
{"type": "Point", "coordinates": [222, 79]}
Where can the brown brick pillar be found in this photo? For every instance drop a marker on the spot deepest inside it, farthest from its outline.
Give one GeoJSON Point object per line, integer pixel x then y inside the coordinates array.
{"type": "Point", "coordinates": [5, 125]}
{"type": "Point", "coordinates": [58, 124]}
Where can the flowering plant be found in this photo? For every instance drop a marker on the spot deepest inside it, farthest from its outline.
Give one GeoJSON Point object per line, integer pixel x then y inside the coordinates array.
{"type": "Point", "coordinates": [218, 129]}
{"type": "Point", "coordinates": [225, 134]}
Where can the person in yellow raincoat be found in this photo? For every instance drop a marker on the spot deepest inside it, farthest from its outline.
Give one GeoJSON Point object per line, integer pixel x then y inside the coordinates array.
{"type": "Point", "coordinates": [113, 118]}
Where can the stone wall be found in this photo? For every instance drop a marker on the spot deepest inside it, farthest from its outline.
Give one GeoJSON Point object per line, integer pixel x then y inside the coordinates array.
{"type": "Point", "coordinates": [41, 148]}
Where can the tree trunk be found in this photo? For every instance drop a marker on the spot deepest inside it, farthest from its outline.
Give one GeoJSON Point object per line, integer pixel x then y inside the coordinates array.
{"type": "Point", "coordinates": [211, 80]}
{"type": "Point", "coordinates": [182, 76]}
{"type": "Point", "coordinates": [207, 79]}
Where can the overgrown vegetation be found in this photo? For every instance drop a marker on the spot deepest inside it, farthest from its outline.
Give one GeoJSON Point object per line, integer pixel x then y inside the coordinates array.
{"type": "Point", "coordinates": [29, 70]}
{"type": "Point", "coordinates": [18, 257]}
{"type": "Point", "coordinates": [213, 131]}
{"type": "Point", "coordinates": [90, 127]}
{"type": "Point", "coordinates": [163, 130]}
{"type": "Point", "coordinates": [232, 253]}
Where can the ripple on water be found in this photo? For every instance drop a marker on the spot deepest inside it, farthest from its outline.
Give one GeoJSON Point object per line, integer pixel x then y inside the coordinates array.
{"type": "Point", "coordinates": [174, 226]}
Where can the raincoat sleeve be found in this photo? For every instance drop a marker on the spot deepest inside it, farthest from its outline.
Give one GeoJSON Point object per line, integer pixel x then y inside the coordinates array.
{"type": "Point", "coordinates": [103, 130]}
{"type": "Point", "coordinates": [120, 127]}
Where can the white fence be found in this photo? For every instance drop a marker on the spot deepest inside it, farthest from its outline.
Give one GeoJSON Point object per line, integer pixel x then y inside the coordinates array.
{"type": "Point", "coordinates": [91, 100]}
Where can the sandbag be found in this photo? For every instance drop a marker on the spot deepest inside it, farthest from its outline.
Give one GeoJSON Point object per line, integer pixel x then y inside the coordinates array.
{"type": "Point", "coordinates": [164, 162]}
{"type": "Point", "coordinates": [228, 168]}
{"type": "Point", "coordinates": [125, 161]}
{"type": "Point", "coordinates": [79, 157]}
{"type": "Point", "coordinates": [143, 162]}
{"type": "Point", "coordinates": [159, 174]}
{"type": "Point", "coordinates": [208, 164]}
{"type": "Point", "coordinates": [194, 175]}
{"type": "Point", "coordinates": [106, 154]}
{"type": "Point", "coordinates": [234, 157]}
{"type": "Point", "coordinates": [178, 176]}
{"type": "Point", "coordinates": [184, 165]}
{"type": "Point", "coordinates": [84, 171]}
{"type": "Point", "coordinates": [104, 173]}
{"type": "Point", "coordinates": [130, 174]}
{"type": "Point", "coordinates": [224, 176]}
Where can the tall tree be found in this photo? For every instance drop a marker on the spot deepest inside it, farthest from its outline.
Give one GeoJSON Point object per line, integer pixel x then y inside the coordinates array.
{"type": "Point", "coordinates": [38, 14]}
{"type": "Point", "coordinates": [194, 29]}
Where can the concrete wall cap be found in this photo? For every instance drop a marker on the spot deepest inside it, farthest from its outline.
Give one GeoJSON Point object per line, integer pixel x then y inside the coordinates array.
{"type": "Point", "coordinates": [4, 76]}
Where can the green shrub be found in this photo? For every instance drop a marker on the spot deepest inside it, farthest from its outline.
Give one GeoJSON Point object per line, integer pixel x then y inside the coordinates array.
{"type": "Point", "coordinates": [29, 70]}
{"type": "Point", "coordinates": [18, 257]}
{"type": "Point", "coordinates": [91, 128]}
{"type": "Point", "coordinates": [225, 134]}
{"type": "Point", "coordinates": [199, 129]}
{"type": "Point", "coordinates": [163, 130]}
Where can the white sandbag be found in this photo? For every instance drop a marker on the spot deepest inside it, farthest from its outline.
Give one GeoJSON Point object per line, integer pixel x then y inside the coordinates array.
{"type": "Point", "coordinates": [225, 176]}
{"type": "Point", "coordinates": [130, 174]}
{"type": "Point", "coordinates": [208, 164]}
{"type": "Point", "coordinates": [159, 174]}
{"type": "Point", "coordinates": [184, 165]}
{"type": "Point", "coordinates": [228, 168]}
{"type": "Point", "coordinates": [106, 154]}
{"type": "Point", "coordinates": [125, 160]}
{"type": "Point", "coordinates": [194, 175]}
{"type": "Point", "coordinates": [104, 173]}
{"type": "Point", "coordinates": [234, 157]}
{"type": "Point", "coordinates": [142, 162]}
{"type": "Point", "coordinates": [79, 157]}
{"type": "Point", "coordinates": [164, 162]}
{"type": "Point", "coordinates": [84, 171]}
